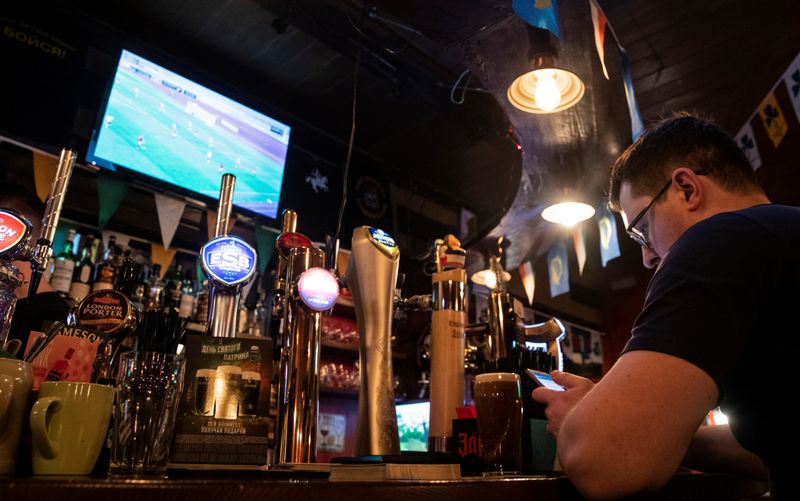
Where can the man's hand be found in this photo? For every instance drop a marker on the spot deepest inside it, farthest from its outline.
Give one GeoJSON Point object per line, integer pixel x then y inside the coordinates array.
{"type": "Point", "coordinates": [559, 403]}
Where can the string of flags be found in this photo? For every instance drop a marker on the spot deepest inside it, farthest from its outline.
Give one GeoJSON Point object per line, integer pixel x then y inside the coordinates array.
{"type": "Point", "coordinates": [558, 260]}
{"type": "Point", "coordinates": [772, 117]}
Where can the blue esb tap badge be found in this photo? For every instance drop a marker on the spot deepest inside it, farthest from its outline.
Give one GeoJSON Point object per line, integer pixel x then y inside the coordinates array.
{"type": "Point", "coordinates": [228, 260]}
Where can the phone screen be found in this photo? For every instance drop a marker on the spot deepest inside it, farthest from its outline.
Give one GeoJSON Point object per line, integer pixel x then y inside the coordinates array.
{"type": "Point", "coordinates": [545, 380]}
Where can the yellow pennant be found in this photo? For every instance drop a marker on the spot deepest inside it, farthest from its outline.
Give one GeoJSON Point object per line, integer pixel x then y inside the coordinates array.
{"type": "Point", "coordinates": [161, 256]}
{"type": "Point", "coordinates": [44, 170]}
{"type": "Point", "coordinates": [773, 119]}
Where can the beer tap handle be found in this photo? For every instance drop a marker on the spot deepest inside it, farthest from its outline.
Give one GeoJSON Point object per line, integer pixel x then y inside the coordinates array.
{"type": "Point", "coordinates": [43, 249]}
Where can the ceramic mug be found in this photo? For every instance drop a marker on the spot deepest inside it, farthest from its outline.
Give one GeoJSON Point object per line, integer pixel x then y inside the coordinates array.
{"type": "Point", "coordinates": [16, 380]}
{"type": "Point", "coordinates": [69, 423]}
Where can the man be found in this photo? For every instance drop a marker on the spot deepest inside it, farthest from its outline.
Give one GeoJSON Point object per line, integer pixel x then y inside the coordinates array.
{"type": "Point", "coordinates": [717, 327]}
{"type": "Point", "coordinates": [47, 306]}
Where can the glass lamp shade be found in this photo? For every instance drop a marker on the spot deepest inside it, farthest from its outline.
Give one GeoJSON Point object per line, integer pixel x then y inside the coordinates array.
{"type": "Point", "coordinates": [535, 91]}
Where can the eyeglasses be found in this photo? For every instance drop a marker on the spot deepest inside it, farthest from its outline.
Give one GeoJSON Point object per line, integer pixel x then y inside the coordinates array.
{"type": "Point", "coordinates": [638, 235]}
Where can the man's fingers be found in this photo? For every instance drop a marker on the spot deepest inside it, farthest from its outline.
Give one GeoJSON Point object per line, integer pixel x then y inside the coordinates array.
{"type": "Point", "coordinates": [568, 380]}
{"type": "Point", "coordinates": [543, 395]}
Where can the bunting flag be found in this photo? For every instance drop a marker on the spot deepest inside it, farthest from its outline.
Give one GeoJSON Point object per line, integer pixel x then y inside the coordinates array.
{"type": "Point", "coordinates": [265, 244]}
{"type": "Point", "coordinates": [637, 126]}
{"type": "Point", "coordinates": [528, 280]}
{"type": "Point", "coordinates": [579, 243]}
{"type": "Point", "coordinates": [773, 119]}
{"type": "Point", "coordinates": [558, 269]}
{"type": "Point", "coordinates": [246, 291]}
{"type": "Point", "coordinates": [538, 13]}
{"type": "Point", "coordinates": [599, 23]}
{"type": "Point", "coordinates": [747, 142]}
{"type": "Point", "coordinates": [200, 274]}
{"type": "Point", "coordinates": [44, 171]}
{"type": "Point", "coordinates": [112, 190]}
{"type": "Point", "coordinates": [170, 211]}
{"type": "Point", "coordinates": [161, 255]}
{"type": "Point", "coordinates": [792, 79]}
{"type": "Point", "coordinates": [609, 244]}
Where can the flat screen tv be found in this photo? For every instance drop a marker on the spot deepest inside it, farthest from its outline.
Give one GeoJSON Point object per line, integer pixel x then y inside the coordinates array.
{"type": "Point", "coordinates": [413, 420]}
{"type": "Point", "coordinates": [165, 126]}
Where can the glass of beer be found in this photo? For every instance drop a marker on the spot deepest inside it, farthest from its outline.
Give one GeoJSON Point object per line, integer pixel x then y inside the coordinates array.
{"type": "Point", "coordinates": [498, 401]}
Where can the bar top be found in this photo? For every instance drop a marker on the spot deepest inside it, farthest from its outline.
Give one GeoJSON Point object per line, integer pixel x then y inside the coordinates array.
{"type": "Point", "coordinates": [684, 486]}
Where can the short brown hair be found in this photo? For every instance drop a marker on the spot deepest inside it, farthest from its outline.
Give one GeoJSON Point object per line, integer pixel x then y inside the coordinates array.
{"type": "Point", "coordinates": [681, 140]}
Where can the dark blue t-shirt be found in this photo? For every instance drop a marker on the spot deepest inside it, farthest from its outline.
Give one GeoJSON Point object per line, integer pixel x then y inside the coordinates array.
{"type": "Point", "coordinates": [726, 298]}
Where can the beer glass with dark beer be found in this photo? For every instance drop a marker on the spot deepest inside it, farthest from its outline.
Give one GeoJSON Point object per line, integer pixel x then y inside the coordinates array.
{"type": "Point", "coordinates": [499, 404]}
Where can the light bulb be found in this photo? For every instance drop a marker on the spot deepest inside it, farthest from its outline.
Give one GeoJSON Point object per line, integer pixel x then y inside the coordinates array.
{"type": "Point", "coordinates": [546, 95]}
{"type": "Point", "coordinates": [568, 213]}
{"type": "Point", "coordinates": [491, 279]}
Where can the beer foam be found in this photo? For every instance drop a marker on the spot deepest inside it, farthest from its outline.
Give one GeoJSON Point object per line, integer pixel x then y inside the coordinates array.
{"type": "Point", "coordinates": [496, 376]}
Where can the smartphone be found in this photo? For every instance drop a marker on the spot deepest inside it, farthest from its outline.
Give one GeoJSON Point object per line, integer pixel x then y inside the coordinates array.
{"type": "Point", "coordinates": [544, 379]}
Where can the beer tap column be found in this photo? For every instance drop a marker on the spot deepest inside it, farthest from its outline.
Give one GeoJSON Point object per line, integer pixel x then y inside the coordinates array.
{"type": "Point", "coordinates": [43, 249]}
{"type": "Point", "coordinates": [371, 276]}
{"type": "Point", "coordinates": [448, 321]}
{"type": "Point", "coordinates": [229, 263]}
{"type": "Point", "coordinates": [310, 291]}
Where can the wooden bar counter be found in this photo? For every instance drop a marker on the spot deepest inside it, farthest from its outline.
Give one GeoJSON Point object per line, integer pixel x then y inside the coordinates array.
{"type": "Point", "coordinates": [268, 486]}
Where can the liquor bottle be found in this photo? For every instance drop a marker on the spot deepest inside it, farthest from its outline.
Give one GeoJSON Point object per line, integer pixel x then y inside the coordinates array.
{"type": "Point", "coordinates": [125, 277]}
{"type": "Point", "coordinates": [63, 268]}
{"type": "Point", "coordinates": [82, 276]}
{"type": "Point", "coordinates": [139, 292]}
{"type": "Point", "coordinates": [186, 308]}
{"type": "Point", "coordinates": [106, 269]}
{"type": "Point", "coordinates": [155, 289]}
{"type": "Point", "coordinates": [173, 282]}
{"type": "Point", "coordinates": [201, 313]}
{"type": "Point", "coordinates": [60, 370]}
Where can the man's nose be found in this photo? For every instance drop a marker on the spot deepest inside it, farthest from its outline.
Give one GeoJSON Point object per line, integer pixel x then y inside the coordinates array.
{"type": "Point", "coordinates": [650, 258]}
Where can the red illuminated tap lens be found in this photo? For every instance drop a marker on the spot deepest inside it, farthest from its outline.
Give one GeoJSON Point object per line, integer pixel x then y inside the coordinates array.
{"type": "Point", "coordinates": [289, 241]}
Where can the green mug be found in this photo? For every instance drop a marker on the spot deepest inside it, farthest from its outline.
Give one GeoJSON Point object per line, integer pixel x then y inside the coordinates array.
{"type": "Point", "coordinates": [69, 423]}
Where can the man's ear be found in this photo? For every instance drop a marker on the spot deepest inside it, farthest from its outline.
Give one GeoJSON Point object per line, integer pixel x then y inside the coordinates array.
{"type": "Point", "coordinates": [692, 190]}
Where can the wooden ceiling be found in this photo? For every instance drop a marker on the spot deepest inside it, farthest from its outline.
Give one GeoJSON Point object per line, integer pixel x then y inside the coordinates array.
{"type": "Point", "coordinates": [297, 57]}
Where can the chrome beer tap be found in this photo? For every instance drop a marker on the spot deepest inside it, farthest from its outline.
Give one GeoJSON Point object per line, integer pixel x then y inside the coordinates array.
{"type": "Point", "coordinates": [230, 263]}
{"type": "Point", "coordinates": [310, 291]}
{"type": "Point", "coordinates": [371, 276]}
{"type": "Point", "coordinates": [14, 243]}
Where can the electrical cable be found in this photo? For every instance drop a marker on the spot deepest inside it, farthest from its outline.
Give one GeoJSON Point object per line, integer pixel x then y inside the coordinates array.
{"type": "Point", "coordinates": [463, 91]}
{"type": "Point", "coordinates": [349, 147]}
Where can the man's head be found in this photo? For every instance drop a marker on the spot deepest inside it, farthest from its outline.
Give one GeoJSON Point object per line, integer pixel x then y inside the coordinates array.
{"type": "Point", "coordinates": [676, 174]}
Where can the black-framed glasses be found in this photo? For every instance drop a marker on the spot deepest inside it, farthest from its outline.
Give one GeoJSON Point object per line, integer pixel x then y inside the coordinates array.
{"type": "Point", "coordinates": [638, 235]}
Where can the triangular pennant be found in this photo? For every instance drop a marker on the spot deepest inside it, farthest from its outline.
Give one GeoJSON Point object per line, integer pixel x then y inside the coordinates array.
{"type": "Point", "coordinates": [44, 171]}
{"type": "Point", "coordinates": [528, 280]}
{"type": "Point", "coordinates": [792, 79]}
{"type": "Point", "coordinates": [265, 244]}
{"type": "Point", "coordinates": [538, 13]}
{"type": "Point", "coordinates": [246, 290]}
{"type": "Point", "coordinates": [558, 269]}
{"type": "Point", "coordinates": [747, 143]}
{"type": "Point", "coordinates": [599, 23]}
{"type": "Point", "coordinates": [161, 255]}
{"type": "Point", "coordinates": [170, 211]}
{"type": "Point", "coordinates": [112, 190]}
{"type": "Point", "coordinates": [579, 243]}
{"type": "Point", "coordinates": [772, 116]}
{"type": "Point", "coordinates": [609, 244]}
{"type": "Point", "coordinates": [637, 126]}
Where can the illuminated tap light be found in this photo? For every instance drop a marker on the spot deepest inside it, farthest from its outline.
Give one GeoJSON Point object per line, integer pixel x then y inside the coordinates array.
{"type": "Point", "coordinates": [318, 289]}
